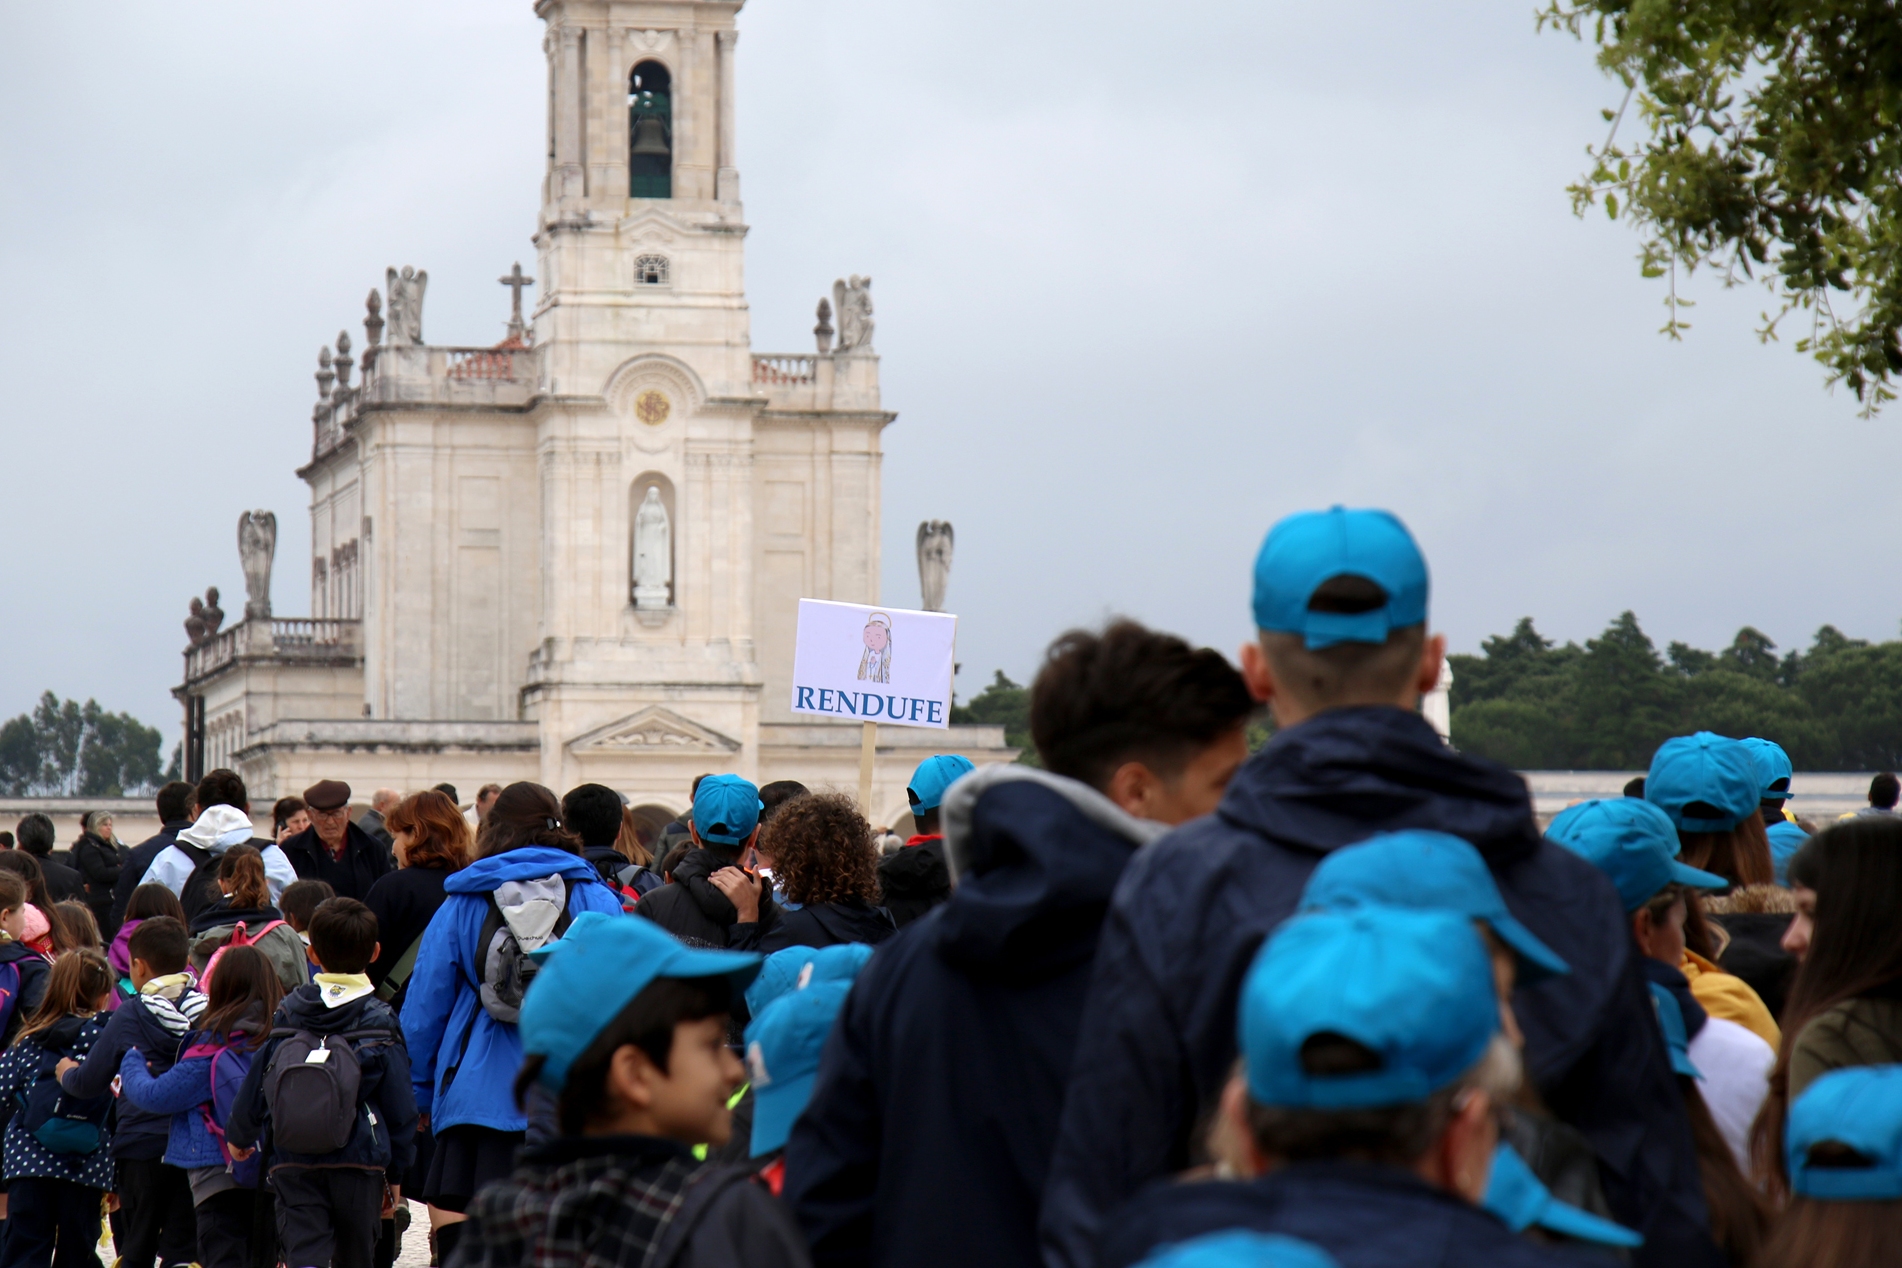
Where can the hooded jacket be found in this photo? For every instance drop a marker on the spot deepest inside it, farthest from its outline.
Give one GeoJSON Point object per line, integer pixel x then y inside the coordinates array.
{"type": "Point", "coordinates": [1365, 1216]}
{"type": "Point", "coordinates": [915, 879]}
{"type": "Point", "coordinates": [827, 925]}
{"type": "Point", "coordinates": [1159, 1031]}
{"type": "Point", "coordinates": [156, 1026]}
{"type": "Point", "coordinates": [365, 860]}
{"type": "Point", "coordinates": [99, 862]}
{"type": "Point", "coordinates": [32, 969]}
{"type": "Point", "coordinates": [217, 830]}
{"type": "Point", "coordinates": [179, 1092]}
{"type": "Point", "coordinates": [463, 1062]}
{"type": "Point", "coordinates": [695, 911]}
{"type": "Point", "coordinates": [385, 1132]}
{"type": "Point", "coordinates": [978, 1001]}
{"type": "Point", "coordinates": [20, 1068]}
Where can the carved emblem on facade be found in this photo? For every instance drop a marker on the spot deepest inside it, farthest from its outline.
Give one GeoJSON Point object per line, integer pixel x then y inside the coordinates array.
{"type": "Point", "coordinates": [652, 407]}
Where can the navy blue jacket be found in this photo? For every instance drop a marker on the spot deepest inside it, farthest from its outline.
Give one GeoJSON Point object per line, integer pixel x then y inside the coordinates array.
{"type": "Point", "coordinates": [32, 968]}
{"type": "Point", "coordinates": [1158, 1035]}
{"type": "Point", "coordinates": [140, 1136]}
{"type": "Point", "coordinates": [1365, 1216]}
{"type": "Point", "coordinates": [936, 1104]}
{"type": "Point", "coordinates": [132, 875]}
{"type": "Point", "coordinates": [388, 1139]}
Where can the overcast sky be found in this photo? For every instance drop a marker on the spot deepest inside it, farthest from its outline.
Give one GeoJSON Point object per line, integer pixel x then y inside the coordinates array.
{"type": "Point", "coordinates": [1146, 280]}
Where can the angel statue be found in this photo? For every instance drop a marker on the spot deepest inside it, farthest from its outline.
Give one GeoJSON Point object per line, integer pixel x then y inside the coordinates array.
{"type": "Point", "coordinates": [876, 664]}
{"type": "Point", "coordinates": [404, 292]}
{"type": "Point", "coordinates": [257, 543]}
{"type": "Point", "coordinates": [934, 562]}
{"type": "Point", "coordinates": [852, 300]}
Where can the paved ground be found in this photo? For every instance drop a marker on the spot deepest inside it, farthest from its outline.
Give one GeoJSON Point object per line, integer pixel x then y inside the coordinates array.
{"type": "Point", "coordinates": [414, 1253]}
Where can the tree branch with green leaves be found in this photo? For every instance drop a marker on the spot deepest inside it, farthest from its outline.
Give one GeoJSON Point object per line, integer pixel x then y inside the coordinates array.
{"type": "Point", "coordinates": [1772, 151]}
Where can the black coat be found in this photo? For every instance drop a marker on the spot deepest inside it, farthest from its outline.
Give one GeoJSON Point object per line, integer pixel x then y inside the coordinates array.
{"type": "Point", "coordinates": [62, 882]}
{"type": "Point", "coordinates": [914, 880]}
{"type": "Point", "coordinates": [1158, 1035]}
{"type": "Point", "coordinates": [32, 969]}
{"type": "Point", "coordinates": [693, 910]}
{"type": "Point", "coordinates": [826, 925]}
{"type": "Point", "coordinates": [1365, 1216]}
{"type": "Point", "coordinates": [139, 1135]}
{"type": "Point", "coordinates": [935, 1109]}
{"type": "Point", "coordinates": [365, 861]}
{"type": "Point", "coordinates": [99, 863]}
{"type": "Point", "coordinates": [132, 872]}
{"type": "Point", "coordinates": [404, 901]}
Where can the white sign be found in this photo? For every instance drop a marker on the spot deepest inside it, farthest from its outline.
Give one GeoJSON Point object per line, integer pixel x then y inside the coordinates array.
{"type": "Point", "coordinates": [874, 664]}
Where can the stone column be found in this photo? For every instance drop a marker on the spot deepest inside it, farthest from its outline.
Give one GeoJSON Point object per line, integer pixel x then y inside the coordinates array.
{"type": "Point", "coordinates": [614, 137]}
{"type": "Point", "coordinates": [568, 158]}
{"type": "Point", "coordinates": [727, 183]}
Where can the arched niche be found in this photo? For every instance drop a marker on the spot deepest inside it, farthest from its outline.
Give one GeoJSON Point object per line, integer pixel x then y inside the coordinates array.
{"type": "Point", "coordinates": [650, 132]}
{"type": "Point", "coordinates": [637, 493]}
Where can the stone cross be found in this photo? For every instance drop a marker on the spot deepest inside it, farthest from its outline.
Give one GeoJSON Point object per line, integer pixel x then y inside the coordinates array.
{"type": "Point", "coordinates": [515, 281]}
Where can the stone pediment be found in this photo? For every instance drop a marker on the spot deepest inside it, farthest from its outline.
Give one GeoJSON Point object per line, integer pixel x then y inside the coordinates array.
{"type": "Point", "coordinates": [654, 730]}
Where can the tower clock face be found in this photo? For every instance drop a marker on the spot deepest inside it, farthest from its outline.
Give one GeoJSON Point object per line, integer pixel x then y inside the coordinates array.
{"type": "Point", "coordinates": [652, 407]}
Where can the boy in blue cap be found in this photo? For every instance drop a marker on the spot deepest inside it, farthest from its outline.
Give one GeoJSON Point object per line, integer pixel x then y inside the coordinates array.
{"type": "Point", "coordinates": [1342, 659]}
{"type": "Point", "coordinates": [1774, 773]}
{"type": "Point", "coordinates": [1372, 1065]}
{"type": "Point", "coordinates": [627, 1028]}
{"type": "Point", "coordinates": [936, 1106]}
{"type": "Point", "coordinates": [702, 901]}
{"type": "Point", "coordinates": [915, 879]}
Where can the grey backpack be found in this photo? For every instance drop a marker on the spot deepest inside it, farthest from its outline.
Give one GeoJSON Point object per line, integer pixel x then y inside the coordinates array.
{"type": "Point", "coordinates": [311, 1088]}
{"type": "Point", "coordinates": [523, 916]}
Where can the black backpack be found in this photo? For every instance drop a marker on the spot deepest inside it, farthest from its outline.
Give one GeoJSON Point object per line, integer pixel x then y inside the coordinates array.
{"type": "Point", "coordinates": [192, 895]}
{"type": "Point", "coordinates": [311, 1087]}
{"type": "Point", "coordinates": [503, 964]}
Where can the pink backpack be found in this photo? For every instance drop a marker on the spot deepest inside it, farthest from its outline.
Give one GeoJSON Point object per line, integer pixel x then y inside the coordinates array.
{"type": "Point", "coordinates": [239, 938]}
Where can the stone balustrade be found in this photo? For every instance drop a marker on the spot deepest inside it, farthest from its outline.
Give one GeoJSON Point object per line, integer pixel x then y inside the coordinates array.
{"type": "Point", "coordinates": [772, 370]}
{"type": "Point", "coordinates": [295, 639]}
{"type": "Point", "coordinates": [805, 382]}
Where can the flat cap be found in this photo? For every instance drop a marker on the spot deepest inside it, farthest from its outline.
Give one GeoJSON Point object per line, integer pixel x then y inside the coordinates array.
{"type": "Point", "coordinates": [327, 794]}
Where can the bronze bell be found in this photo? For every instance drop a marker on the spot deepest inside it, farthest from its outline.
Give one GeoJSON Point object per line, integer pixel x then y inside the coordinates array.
{"type": "Point", "coordinates": [650, 136]}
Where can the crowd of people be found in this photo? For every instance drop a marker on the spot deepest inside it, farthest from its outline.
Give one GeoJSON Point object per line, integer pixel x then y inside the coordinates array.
{"type": "Point", "coordinates": [1154, 1000]}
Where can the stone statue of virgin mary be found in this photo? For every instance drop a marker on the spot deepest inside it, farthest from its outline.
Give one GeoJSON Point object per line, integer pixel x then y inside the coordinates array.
{"type": "Point", "coordinates": [653, 552]}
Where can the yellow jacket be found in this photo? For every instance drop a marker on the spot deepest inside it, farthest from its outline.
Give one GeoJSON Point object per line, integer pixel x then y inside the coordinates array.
{"type": "Point", "coordinates": [1731, 998]}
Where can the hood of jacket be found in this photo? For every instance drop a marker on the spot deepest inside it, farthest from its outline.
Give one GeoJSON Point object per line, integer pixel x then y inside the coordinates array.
{"type": "Point", "coordinates": [691, 874]}
{"type": "Point", "coordinates": [850, 922]}
{"type": "Point", "coordinates": [218, 829]}
{"type": "Point", "coordinates": [1035, 858]}
{"type": "Point", "coordinates": [303, 1009]}
{"type": "Point", "coordinates": [526, 864]}
{"type": "Point", "coordinates": [1344, 774]}
{"type": "Point", "coordinates": [917, 871]}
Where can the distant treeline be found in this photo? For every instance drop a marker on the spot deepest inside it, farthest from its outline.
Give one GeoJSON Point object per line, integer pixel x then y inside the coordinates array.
{"type": "Point", "coordinates": [1609, 704]}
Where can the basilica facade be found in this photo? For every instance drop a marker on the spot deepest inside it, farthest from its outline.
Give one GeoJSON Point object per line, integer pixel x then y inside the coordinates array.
{"type": "Point", "coordinates": [578, 555]}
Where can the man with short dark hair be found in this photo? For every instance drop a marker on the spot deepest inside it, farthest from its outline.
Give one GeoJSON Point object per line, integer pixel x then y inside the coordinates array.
{"type": "Point", "coordinates": [694, 905]}
{"type": "Point", "coordinates": [979, 1000]}
{"type": "Point", "coordinates": [593, 813]}
{"type": "Point", "coordinates": [1343, 658]}
{"type": "Point", "coordinates": [1884, 791]}
{"type": "Point", "coordinates": [36, 838]}
{"type": "Point", "coordinates": [189, 866]}
{"type": "Point", "coordinates": [333, 849]}
{"type": "Point", "coordinates": [175, 812]}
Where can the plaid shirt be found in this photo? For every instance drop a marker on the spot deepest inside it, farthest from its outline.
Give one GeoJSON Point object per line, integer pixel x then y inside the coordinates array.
{"type": "Point", "coordinates": [587, 1202]}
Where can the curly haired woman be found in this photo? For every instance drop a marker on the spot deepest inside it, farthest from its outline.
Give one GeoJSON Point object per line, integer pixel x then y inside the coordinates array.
{"type": "Point", "coordinates": [825, 861]}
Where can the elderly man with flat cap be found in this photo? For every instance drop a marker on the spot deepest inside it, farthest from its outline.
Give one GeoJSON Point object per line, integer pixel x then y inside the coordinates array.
{"type": "Point", "coordinates": [333, 849]}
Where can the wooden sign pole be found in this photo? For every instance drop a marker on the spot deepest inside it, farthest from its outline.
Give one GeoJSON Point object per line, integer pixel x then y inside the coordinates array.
{"type": "Point", "coordinates": [868, 748]}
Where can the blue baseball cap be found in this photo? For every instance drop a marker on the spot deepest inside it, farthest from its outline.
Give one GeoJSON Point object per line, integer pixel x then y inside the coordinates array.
{"type": "Point", "coordinates": [1786, 839]}
{"type": "Point", "coordinates": [1521, 1200]}
{"type": "Point", "coordinates": [795, 968]}
{"type": "Point", "coordinates": [726, 809]}
{"type": "Point", "coordinates": [1631, 841]}
{"type": "Point", "coordinates": [1238, 1248]}
{"type": "Point", "coordinates": [1422, 869]}
{"type": "Point", "coordinates": [1773, 768]}
{"type": "Point", "coordinates": [594, 971]}
{"type": "Point", "coordinates": [933, 776]}
{"type": "Point", "coordinates": [1415, 987]}
{"type": "Point", "coordinates": [782, 1057]}
{"type": "Point", "coordinates": [1706, 771]}
{"type": "Point", "coordinates": [1311, 547]}
{"type": "Point", "coordinates": [1671, 1022]}
{"type": "Point", "coordinates": [1860, 1107]}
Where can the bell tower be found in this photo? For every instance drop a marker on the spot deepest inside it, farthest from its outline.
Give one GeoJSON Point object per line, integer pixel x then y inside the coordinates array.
{"type": "Point", "coordinates": [646, 412]}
